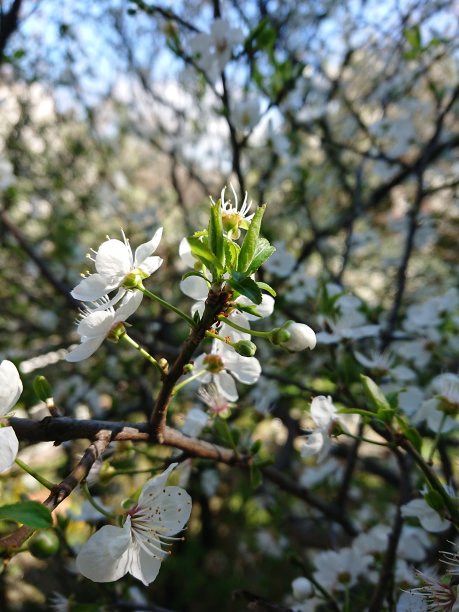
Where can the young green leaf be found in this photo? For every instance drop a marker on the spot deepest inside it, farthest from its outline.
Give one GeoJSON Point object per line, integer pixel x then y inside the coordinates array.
{"type": "Point", "coordinates": [249, 245]}
{"type": "Point", "coordinates": [30, 513]}
{"type": "Point", "coordinates": [375, 395]}
{"type": "Point", "coordinates": [263, 251]}
{"type": "Point", "coordinates": [245, 286]}
{"type": "Point", "coordinates": [216, 239]}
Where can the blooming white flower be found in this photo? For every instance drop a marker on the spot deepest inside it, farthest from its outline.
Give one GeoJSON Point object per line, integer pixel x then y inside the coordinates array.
{"type": "Point", "coordinates": [114, 261]}
{"type": "Point", "coordinates": [212, 397]}
{"type": "Point", "coordinates": [136, 548]}
{"type": "Point", "coordinates": [245, 114]}
{"type": "Point", "coordinates": [195, 421]}
{"type": "Point", "coordinates": [223, 365]}
{"type": "Point", "coordinates": [234, 217]}
{"type": "Point", "coordinates": [282, 262]}
{"type": "Point", "coordinates": [302, 588]}
{"type": "Point", "coordinates": [339, 570]}
{"type": "Point", "coordinates": [430, 519]}
{"type": "Point", "coordinates": [325, 415]}
{"type": "Point", "coordinates": [213, 50]}
{"type": "Point", "coordinates": [10, 391]}
{"type": "Point", "coordinates": [351, 325]}
{"type": "Point", "coordinates": [97, 324]}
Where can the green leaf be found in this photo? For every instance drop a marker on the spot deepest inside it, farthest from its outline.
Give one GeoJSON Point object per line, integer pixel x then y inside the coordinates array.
{"type": "Point", "coordinates": [42, 388]}
{"type": "Point", "coordinates": [267, 288]}
{"type": "Point", "coordinates": [232, 253]}
{"type": "Point", "coordinates": [375, 395]}
{"type": "Point", "coordinates": [195, 273]}
{"type": "Point", "coordinates": [246, 286]}
{"type": "Point", "coordinates": [249, 245]}
{"type": "Point", "coordinates": [216, 241]}
{"type": "Point", "coordinates": [413, 37]}
{"type": "Point", "coordinates": [30, 513]}
{"type": "Point", "coordinates": [200, 250]}
{"type": "Point", "coordinates": [414, 437]}
{"type": "Point", "coordinates": [263, 250]}
{"type": "Point", "coordinates": [435, 500]}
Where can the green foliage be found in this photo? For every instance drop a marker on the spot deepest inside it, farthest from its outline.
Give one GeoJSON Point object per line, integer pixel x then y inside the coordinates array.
{"type": "Point", "coordinates": [30, 513]}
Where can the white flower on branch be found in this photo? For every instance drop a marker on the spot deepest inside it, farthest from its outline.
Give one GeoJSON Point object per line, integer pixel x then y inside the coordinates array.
{"type": "Point", "coordinates": [10, 391]}
{"type": "Point", "coordinates": [114, 261]}
{"type": "Point", "coordinates": [430, 519]}
{"type": "Point", "coordinates": [96, 324]}
{"type": "Point", "coordinates": [137, 547]}
{"type": "Point", "coordinates": [223, 365]}
{"type": "Point", "coordinates": [329, 422]}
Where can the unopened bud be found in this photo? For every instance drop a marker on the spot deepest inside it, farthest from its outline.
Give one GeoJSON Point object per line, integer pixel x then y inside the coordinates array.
{"type": "Point", "coordinates": [246, 348]}
{"type": "Point", "coordinates": [299, 336]}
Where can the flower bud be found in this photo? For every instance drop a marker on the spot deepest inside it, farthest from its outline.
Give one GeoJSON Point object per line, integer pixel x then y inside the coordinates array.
{"type": "Point", "coordinates": [246, 348]}
{"type": "Point", "coordinates": [300, 336]}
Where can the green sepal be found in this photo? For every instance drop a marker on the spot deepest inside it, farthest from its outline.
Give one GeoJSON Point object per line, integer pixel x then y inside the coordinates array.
{"type": "Point", "coordinates": [263, 250]}
{"type": "Point", "coordinates": [30, 513]}
{"type": "Point", "coordinates": [245, 286]}
{"type": "Point", "coordinates": [249, 245]}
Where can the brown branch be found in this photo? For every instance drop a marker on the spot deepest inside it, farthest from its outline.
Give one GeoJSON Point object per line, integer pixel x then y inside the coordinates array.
{"type": "Point", "coordinates": [215, 304]}
{"type": "Point", "coordinates": [64, 488]}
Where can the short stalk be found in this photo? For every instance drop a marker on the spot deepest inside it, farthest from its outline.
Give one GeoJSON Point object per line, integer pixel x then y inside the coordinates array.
{"type": "Point", "coordinates": [44, 481]}
{"type": "Point", "coordinates": [177, 388]}
{"type": "Point", "coordinates": [124, 336]}
{"type": "Point", "coordinates": [211, 334]}
{"type": "Point", "coordinates": [92, 501]}
{"type": "Point", "coordinates": [166, 304]}
{"type": "Point", "coordinates": [363, 439]}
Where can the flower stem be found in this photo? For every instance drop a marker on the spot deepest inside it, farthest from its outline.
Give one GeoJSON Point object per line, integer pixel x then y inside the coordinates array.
{"type": "Point", "coordinates": [211, 334]}
{"type": "Point", "coordinates": [246, 330]}
{"type": "Point", "coordinates": [92, 501]}
{"type": "Point", "coordinates": [166, 304]}
{"type": "Point", "coordinates": [186, 381]}
{"type": "Point", "coordinates": [124, 336]}
{"type": "Point", "coordinates": [44, 481]}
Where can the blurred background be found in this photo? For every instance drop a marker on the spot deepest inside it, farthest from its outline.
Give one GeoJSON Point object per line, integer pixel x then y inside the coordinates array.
{"type": "Point", "coordinates": [343, 117]}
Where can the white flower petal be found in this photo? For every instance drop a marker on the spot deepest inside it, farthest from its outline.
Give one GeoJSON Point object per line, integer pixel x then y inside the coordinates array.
{"type": "Point", "coordinates": [10, 386]}
{"type": "Point", "coordinates": [105, 556]}
{"type": "Point", "coordinates": [185, 253]}
{"type": "Point", "coordinates": [146, 249]}
{"type": "Point", "coordinates": [226, 385]}
{"type": "Point", "coordinates": [9, 446]}
{"type": "Point", "coordinates": [84, 350]}
{"type": "Point", "coordinates": [313, 444]}
{"type": "Point", "coordinates": [246, 369]}
{"type": "Point", "coordinates": [96, 324]}
{"type": "Point", "coordinates": [114, 260]}
{"type": "Point", "coordinates": [142, 565]}
{"type": "Point", "coordinates": [91, 288]}
{"type": "Point", "coordinates": [150, 265]}
{"type": "Point", "coordinates": [155, 484]}
{"type": "Point", "coordinates": [322, 411]}
{"type": "Point", "coordinates": [195, 287]}
{"type": "Point", "coordinates": [129, 305]}
{"type": "Point", "coordinates": [169, 509]}
{"type": "Point", "coordinates": [265, 309]}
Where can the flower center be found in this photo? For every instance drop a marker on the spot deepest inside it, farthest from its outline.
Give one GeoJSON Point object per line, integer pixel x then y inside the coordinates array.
{"type": "Point", "coordinates": [214, 363]}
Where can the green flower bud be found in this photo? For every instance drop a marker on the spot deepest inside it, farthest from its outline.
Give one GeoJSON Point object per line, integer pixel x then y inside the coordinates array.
{"type": "Point", "coordinates": [246, 348]}
{"type": "Point", "coordinates": [279, 336]}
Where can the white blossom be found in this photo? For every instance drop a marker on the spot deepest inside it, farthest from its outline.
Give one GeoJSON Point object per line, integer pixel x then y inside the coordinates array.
{"type": "Point", "coordinates": [114, 261]}
{"type": "Point", "coordinates": [223, 365]}
{"type": "Point", "coordinates": [430, 519]}
{"type": "Point", "coordinates": [97, 324]}
{"type": "Point", "coordinates": [137, 547]}
{"type": "Point", "coordinates": [10, 391]}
